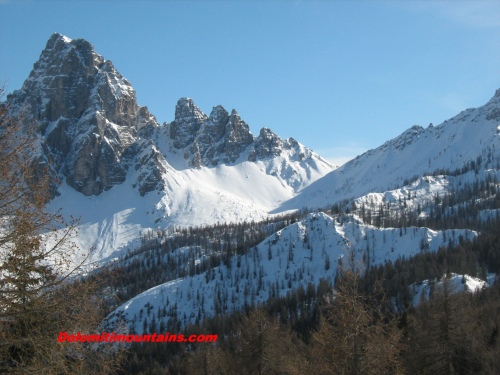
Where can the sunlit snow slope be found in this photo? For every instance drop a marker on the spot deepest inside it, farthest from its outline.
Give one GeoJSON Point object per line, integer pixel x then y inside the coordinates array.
{"type": "Point", "coordinates": [470, 140]}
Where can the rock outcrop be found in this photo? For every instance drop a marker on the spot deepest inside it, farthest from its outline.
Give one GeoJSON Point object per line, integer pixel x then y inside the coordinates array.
{"type": "Point", "coordinates": [224, 138]}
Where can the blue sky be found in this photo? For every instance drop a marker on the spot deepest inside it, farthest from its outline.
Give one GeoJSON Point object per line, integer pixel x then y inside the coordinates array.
{"type": "Point", "coordinates": [341, 77]}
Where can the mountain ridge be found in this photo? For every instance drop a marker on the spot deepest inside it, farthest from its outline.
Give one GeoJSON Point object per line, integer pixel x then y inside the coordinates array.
{"type": "Point", "coordinates": [469, 140]}
{"type": "Point", "coordinates": [305, 252]}
{"type": "Point", "coordinates": [131, 179]}
{"type": "Point", "coordinates": [94, 129]}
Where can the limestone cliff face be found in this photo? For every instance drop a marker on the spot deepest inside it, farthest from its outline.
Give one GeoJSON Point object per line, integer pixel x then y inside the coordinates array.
{"type": "Point", "coordinates": [188, 120]}
{"type": "Point", "coordinates": [221, 138]}
{"type": "Point", "coordinates": [87, 113]}
{"type": "Point", "coordinates": [224, 138]}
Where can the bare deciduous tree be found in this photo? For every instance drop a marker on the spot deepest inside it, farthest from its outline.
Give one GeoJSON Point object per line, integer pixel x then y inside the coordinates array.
{"type": "Point", "coordinates": [355, 335]}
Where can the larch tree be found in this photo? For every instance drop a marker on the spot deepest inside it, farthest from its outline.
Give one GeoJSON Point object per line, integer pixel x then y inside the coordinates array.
{"type": "Point", "coordinates": [355, 335]}
{"type": "Point", "coordinates": [446, 334]}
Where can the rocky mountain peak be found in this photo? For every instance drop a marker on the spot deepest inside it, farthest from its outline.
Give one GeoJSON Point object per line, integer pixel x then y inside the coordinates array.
{"type": "Point", "coordinates": [220, 137]}
{"type": "Point", "coordinates": [61, 49]}
{"type": "Point", "coordinates": [208, 141]}
{"type": "Point", "coordinates": [238, 136]}
{"type": "Point", "coordinates": [64, 72]}
{"type": "Point", "coordinates": [224, 137]}
{"type": "Point", "coordinates": [219, 115]}
{"type": "Point", "coordinates": [57, 38]}
{"type": "Point", "coordinates": [185, 109]}
{"type": "Point", "coordinates": [188, 120]}
{"type": "Point", "coordinates": [214, 128]}
{"type": "Point", "coordinates": [267, 144]}
{"type": "Point", "coordinates": [86, 111]}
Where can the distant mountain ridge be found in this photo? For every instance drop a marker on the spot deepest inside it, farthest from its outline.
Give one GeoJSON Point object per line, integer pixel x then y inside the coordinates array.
{"type": "Point", "coordinates": [203, 169]}
{"type": "Point", "coordinates": [469, 140]}
{"type": "Point", "coordinates": [222, 137]}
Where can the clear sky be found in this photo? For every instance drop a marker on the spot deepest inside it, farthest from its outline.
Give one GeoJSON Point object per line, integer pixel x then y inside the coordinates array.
{"type": "Point", "coordinates": [341, 77]}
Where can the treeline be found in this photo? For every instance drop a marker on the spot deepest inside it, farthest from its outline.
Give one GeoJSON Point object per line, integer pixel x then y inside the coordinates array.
{"type": "Point", "coordinates": [177, 252]}
{"type": "Point", "coordinates": [477, 258]}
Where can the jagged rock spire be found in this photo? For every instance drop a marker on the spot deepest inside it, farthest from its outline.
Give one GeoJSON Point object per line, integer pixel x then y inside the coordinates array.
{"type": "Point", "coordinates": [85, 110]}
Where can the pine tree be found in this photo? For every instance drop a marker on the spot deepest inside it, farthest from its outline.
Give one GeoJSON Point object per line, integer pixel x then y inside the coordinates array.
{"type": "Point", "coordinates": [262, 346]}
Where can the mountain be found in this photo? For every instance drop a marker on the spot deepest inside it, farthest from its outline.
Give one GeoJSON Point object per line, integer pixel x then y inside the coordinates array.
{"type": "Point", "coordinates": [86, 113]}
{"type": "Point", "coordinates": [469, 141]}
{"type": "Point", "coordinates": [123, 172]}
{"type": "Point", "coordinates": [406, 176]}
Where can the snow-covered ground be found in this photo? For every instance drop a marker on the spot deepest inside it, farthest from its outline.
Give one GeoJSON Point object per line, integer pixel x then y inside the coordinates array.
{"type": "Point", "coordinates": [458, 142]}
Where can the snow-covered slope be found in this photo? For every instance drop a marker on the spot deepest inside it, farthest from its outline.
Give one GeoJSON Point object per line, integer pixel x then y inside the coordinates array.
{"type": "Point", "coordinates": [163, 188]}
{"type": "Point", "coordinates": [420, 195]}
{"type": "Point", "coordinates": [470, 140]}
{"type": "Point", "coordinates": [123, 173]}
{"type": "Point", "coordinates": [302, 253]}
{"type": "Point", "coordinates": [114, 219]}
{"type": "Point", "coordinates": [456, 284]}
